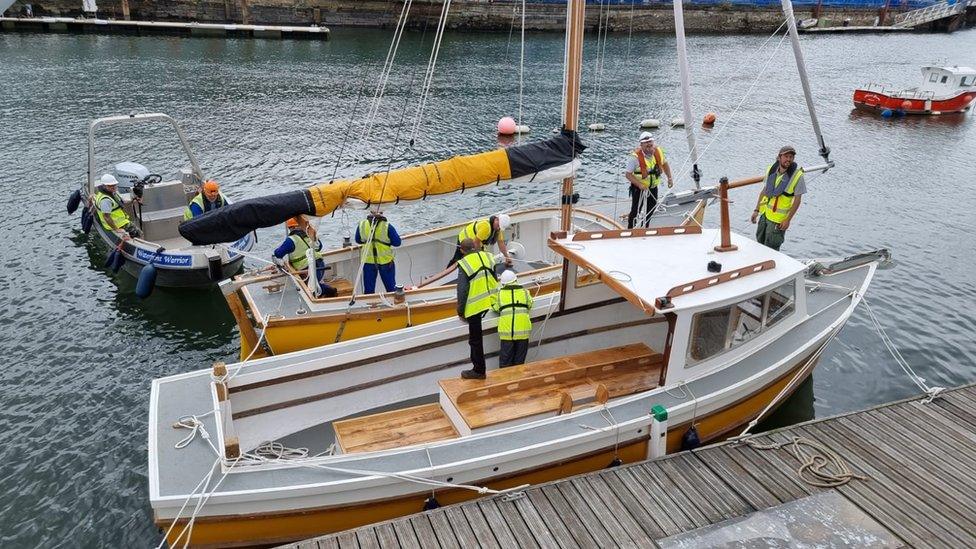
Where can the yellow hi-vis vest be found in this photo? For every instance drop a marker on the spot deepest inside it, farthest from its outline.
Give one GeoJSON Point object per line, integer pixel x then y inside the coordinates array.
{"type": "Point", "coordinates": [118, 214]}
{"type": "Point", "coordinates": [651, 180]}
{"type": "Point", "coordinates": [512, 302]}
{"type": "Point", "coordinates": [297, 257]}
{"type": "Point", "coordinates": [779, 207]}
{"type": "Point", "coordinates": [376, 249]}
{"type": "Point", "coordinates": [479, 269]}
{"type": "Point", "coordinates": [482, 230]}
{"type": "Point", "coordinates": [198, 200]}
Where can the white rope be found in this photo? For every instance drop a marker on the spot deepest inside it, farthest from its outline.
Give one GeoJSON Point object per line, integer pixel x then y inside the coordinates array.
{"type": "Point", "coordinates": [387, 68]}
{"type": "Point", "coordinates": [932, 392]}
{"type": "Point", "coordinates": [823, 467]}
{"type": "Point", "coordinates": [429, 73]}
{"type": "Point", "coordinates": [193, 423]}
{"type": "Point", "coordinates": [206, 479]}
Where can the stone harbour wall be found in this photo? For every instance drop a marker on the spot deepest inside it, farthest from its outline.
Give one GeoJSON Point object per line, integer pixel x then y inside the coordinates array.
{"type": "Point", "coordinates": [465, 15]}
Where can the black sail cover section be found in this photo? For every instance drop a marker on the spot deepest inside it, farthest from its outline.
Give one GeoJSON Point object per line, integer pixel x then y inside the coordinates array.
{"type": "Point", "coordinates": [233, 221]}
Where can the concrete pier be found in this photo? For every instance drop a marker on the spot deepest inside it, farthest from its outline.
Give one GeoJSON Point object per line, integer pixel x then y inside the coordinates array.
{"type": "Point", "coordinates": [111, 26]}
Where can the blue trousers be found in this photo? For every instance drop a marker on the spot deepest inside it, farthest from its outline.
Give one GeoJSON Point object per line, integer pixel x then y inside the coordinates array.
{"type": "Point", "coordinates": [387, 273]}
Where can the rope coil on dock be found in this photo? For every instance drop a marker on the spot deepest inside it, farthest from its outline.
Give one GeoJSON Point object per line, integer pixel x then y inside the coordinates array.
{"type": "Point", "coordinates": [822, 467]}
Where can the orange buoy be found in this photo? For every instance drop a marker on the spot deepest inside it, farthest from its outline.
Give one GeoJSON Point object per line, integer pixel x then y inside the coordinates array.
{"type": "Point", "coordinates": [905, 105]}
{"type": "Point", "coordinates": [709, 119]}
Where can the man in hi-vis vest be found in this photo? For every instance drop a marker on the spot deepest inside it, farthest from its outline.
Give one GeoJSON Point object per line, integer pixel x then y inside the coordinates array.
{"type": "Point", "coordinates": [644, 168]}
{"type": "Point", "coordinates": [779, 199]}
{"type": "Point", "coordinates": [476, 282]}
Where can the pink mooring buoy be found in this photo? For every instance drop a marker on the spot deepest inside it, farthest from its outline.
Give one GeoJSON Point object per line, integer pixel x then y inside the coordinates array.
{"type": "Point", "coordinates": [506, 126]}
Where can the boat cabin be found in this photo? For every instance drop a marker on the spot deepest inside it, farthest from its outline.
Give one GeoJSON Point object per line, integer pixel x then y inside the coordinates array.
{"type": "Point", "coordinates": [947, 81]}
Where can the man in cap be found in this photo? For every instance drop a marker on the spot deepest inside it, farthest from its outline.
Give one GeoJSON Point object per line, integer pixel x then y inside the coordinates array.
{"type": "Point", "coordinates": [779, 199]}
{"type": "Point", "coordinates": [485, 232]}
{"type": "Point", "coordinates": [209, 198]}
{"type": "Point", "coordinates": [476, 283]}
{"type": "Point", "coordinates": [110, 207]}
{"type": "Point", "coordinates": [378, 238]}
{"type": "Point", "coordinates": [644, 168]}
{"type": "Point", "coordinates": [512, 302]}
{"type": "Point", "coordinates": [295, 246]}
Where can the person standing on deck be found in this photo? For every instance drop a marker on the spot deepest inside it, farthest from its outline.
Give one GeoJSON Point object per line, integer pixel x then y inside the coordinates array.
{"type": "Point", "coordinates": [378, 238]}
{"type": "Point", "coordinates": [475, 284]}
{"type": "Point", "coordinates": [779, 200]}
{"type": "Point", "coordinates": [512, 302]}
{"type": "Point", "coordinates": [644, 168]}
{"type": "Point", "coordinates": [295, 246]}
{"type": "Point", "coordinates": [209, 198]}
{"type": "Point", "coordinates": [486, 231]}
{"type": "Point", "coordinates": [109, 207]}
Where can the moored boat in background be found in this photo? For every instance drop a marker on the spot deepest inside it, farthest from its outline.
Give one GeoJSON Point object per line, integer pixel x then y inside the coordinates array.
{"type": "Point", "coordinates": [943, 90]}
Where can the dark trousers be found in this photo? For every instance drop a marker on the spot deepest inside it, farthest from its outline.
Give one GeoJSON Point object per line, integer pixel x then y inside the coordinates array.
{"type": "Point", "coordinates": [387, 273]}
{"type": "Point", "coordinates": [476, 342]}
{"type": "Point", "coordinates": [769, 234]}
{"type": "Point", "coordinates": [512, 352]}
{"type": "Point", "coordinates": [649, 206]}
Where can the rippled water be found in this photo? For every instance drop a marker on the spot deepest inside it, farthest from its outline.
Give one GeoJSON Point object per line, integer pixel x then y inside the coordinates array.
{"type": "Point", "coordinates": [267, 116]}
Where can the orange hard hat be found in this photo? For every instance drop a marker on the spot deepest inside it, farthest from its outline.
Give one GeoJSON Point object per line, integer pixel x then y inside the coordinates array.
{"type": "Point", "coordinates": [211, 185]}
{"type": "Point", "coordinates": [292, 223]}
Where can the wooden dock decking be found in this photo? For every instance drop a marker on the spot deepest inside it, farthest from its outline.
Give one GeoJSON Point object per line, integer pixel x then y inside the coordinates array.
{"type": "Point", "coordinates": [919, 461]}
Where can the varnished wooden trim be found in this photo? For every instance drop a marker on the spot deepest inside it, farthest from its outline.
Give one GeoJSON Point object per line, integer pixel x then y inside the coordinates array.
{"type": "Point", "coordinates": [605, 277]}
{"type": "Point", "coordinates": [704, 283]}
{"type": "Point", "coordinates": [590, 236]}
{"type": "Point", "coordinates": [393, 379]}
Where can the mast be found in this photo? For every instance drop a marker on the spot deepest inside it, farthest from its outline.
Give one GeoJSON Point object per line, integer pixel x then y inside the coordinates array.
{"type": "Point", "coordinates": [802, 69]}
{"type": "Point", "coordinates": [573, 63]}
{"type": "Point", "coordinates": [685, 72]}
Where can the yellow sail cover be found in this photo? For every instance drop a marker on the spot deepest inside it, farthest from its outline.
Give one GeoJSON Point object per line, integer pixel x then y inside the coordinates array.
{"type": "Point", "coordinates": [415, 182]}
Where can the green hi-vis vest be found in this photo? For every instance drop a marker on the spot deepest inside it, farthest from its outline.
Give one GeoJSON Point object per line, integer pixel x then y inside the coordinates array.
{"type": "Point", "coordinates": [512, 303]}
{"type": "Point", "coordinates": [651, 180]}
{"type": "Point", "coordinates": [482, 230]}
{"type": "Point", "coordinates": [479, 269]}
{"type": "Point", "coordinates": [118, 215]}
{"type": "Point", "coordinates": [198, 200]}
{"type": "Point", "coordinates": [297, 257]}
{"type": "Point", "coordinates": [376, 249]}
{"type": "Point", "coordinates": [777, 209]}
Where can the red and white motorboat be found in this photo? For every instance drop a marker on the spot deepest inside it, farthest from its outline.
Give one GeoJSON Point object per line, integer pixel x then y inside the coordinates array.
{"type": "Point", "coordinates": [943, 90]}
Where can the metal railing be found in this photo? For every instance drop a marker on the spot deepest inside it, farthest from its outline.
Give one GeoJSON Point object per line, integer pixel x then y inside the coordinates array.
{"type": "Point", "coordinates": [931, 13]}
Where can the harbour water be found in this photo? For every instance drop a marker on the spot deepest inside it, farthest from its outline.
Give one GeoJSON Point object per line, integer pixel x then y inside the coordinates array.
{"type": "Point", "coordinates": [269, 116]}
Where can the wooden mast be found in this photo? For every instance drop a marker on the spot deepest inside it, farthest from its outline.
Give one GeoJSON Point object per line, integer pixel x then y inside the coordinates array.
{"type": "Point", "coordinates": [571, 88]}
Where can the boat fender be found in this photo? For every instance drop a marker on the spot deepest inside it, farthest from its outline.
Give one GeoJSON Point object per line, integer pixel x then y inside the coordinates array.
{"type": "Point", "coordinates": [617, 462]}
{"type": "Point", "coordinates": [118, 261]}
{"type": "Point", "coordinates": [86, 220]}
{"type": "Point", "coordinates": [677, 122]}
{"type": "Point", "coordinates": [214, 269]}
{"type": "Point", "coordinates": [110, 259]}
{"type": "Point", "coordinates": [886, 113]}
{"type": "Point", "coordinates": [690, 440]}
{"type": "Point", "coordinates": [597, 127]}
{"type": "Point", "coordinates": [74, 199]}
{"type": "Point", "coordinates": [431, 503]}
{"type": "Point", "coordinates": [650, 123]}
{"type": "Point", "coordinates": [147, 277]}
{"type": "Point", "coordinates": [714, 267]}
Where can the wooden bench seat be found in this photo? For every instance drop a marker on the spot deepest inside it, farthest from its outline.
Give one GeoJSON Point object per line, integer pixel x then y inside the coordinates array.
{"type": "Point", "coordinates": [544, 387]}
{"type": "Point", "coordinates": [394, 429]}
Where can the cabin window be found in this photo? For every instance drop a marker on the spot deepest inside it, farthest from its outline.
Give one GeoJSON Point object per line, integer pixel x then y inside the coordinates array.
{"type": "Point", "coordinates": [718, 330]}
{"type": "Point", "coordinates": [934, 77]}
{"type": "Point", "coordinates": [944, 80]}
{"type": "Point", "coordinates": [967, 81]}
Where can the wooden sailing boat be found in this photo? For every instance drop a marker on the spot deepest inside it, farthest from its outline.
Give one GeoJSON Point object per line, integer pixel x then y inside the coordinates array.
{"type": "Point", "coordinates": [643, 342]}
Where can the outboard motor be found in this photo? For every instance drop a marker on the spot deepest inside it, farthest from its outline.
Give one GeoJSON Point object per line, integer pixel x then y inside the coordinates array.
{"type": "Point", "coordinates": [128, 173]}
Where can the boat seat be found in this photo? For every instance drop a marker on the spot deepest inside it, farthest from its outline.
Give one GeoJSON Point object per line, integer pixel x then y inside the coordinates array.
{"type": "Point", "coordinates": [394, 429]}
{"type": "Point", "coordinates": [542, 388]}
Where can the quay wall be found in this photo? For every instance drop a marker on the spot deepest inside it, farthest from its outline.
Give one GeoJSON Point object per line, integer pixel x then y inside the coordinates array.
{"type": "Point", "coordinates": [708, 16]}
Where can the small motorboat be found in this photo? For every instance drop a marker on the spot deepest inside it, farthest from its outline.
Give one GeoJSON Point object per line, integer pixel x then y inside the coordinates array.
{"type": "Point", "coordinates": [943, 90]}
{"type": "Point", "coordinates": [176, 262]}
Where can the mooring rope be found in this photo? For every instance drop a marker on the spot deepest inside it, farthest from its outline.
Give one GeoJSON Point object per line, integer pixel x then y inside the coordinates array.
{"type": "Point", "coordinates": [822, 467]}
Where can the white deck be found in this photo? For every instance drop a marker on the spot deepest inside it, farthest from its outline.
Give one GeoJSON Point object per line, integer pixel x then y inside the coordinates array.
{"type": "Point", "coordinates": [666, 262]}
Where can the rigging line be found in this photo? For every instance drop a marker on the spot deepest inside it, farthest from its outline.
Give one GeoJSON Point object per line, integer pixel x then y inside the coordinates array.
{"type": "Point", "coordinates": [387, 68]}
{"type": "Point", "coordinates": [600, 55]}
{"type": "Point", "coordinates": [630, 33]}
{"type": "Point", "coordinates": [521, 85]}
{"type": "Point", "coordinates": [352, 118]}
{"type": "Point", "coordinates": [431, 65]}
{"type": "Point", "coordinates": [511, 28]}
{"type": "Point", "coordinates": [737, 107]}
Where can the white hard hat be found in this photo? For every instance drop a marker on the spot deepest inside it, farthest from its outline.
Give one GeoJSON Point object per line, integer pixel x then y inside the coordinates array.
{"type": "Point", "coordinates": [508, 277]}
{"type": "Point", "coordinates": [108, 179]}
{"type": "Point", "coordinates": [646, 136]}
{"type": "Point", "coordinates": [504, 221]}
